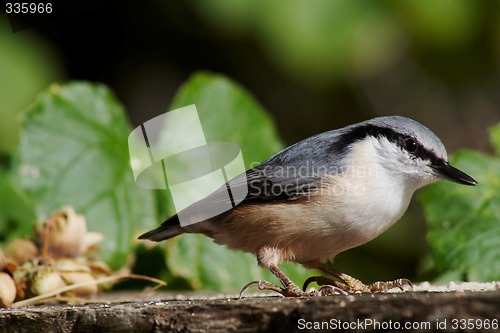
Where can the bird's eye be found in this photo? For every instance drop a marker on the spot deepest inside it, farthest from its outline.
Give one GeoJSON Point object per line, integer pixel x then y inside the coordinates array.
{"type": "Point", "coordinates": [411, 145]}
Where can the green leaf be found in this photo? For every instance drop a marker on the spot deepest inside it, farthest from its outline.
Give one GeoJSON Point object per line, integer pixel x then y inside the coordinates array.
{"type": "Point", "coordinates": [464, 222]}
{"type": "Point", "coordinates": [17, 215]}
{"type": "Point", "coordinates": [74, 151]}
{"type": "Point", "coordinates": [227, 113]}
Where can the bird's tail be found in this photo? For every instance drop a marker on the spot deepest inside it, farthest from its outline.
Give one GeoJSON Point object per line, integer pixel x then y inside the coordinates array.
{"type": "Point", "coordinates": [168, 229]}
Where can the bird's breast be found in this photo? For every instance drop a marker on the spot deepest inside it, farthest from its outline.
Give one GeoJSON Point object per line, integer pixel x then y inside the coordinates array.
{"type": "Point", "coordinates": [364, 200]}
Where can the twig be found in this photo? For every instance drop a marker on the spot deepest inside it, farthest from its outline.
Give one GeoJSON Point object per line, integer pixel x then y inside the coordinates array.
{"type": "Point", "coordinates": [55, 293]}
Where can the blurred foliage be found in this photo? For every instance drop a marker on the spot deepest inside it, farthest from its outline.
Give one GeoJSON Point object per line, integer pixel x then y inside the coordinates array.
{"type": "Point", "coordinates": [318, 42]}
{"type": "Point", "coordinates": [464, 230]}
{"type": "Point", "coordinates": [74, 151]}
{"type": "Point", "coordinates": [27, 65]}
{"type": "Point", "coordinates": [17, 213]}
{"type": "Point", "coordinates": [446, 25]}
{"type": "Point", "coordinates": [323, 41]}
{"type": "Point", "coordinates": [229, 113]}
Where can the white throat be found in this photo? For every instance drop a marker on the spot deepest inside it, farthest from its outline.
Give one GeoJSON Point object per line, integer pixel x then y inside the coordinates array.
{"type": "Point", "coordinates": [383, 194]}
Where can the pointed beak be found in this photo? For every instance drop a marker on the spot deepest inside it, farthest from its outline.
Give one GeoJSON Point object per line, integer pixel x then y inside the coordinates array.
{"type": "Point", "coordinates": [450, 173]}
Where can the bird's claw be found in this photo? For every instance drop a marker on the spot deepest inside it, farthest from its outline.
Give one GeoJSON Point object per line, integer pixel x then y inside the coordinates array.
{"type": "Point", "coordinates": [262, 285]}
{"type": "Point", "coordinates": [293, 290]}
{"type": "Point", "coordinates": [329, 290]}
{"type": "Point", "coordinates": [352, 285]}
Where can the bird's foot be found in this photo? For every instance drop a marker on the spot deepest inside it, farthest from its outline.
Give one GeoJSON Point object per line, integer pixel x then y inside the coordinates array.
{"type": "Point", "coordinates": [293, 290]}
{"type": "Point", "coordinates": [290, 291]}
{"type": "Point", "coordinates": [348, 284]}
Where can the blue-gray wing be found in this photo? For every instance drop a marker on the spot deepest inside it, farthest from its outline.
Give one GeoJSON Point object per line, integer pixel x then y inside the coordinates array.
{"type": "Point", "coordinates": [291, 174]}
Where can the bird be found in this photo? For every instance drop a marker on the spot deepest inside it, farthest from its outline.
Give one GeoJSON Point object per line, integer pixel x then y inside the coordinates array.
{"type": "Point", "coordinates": [321, 196]}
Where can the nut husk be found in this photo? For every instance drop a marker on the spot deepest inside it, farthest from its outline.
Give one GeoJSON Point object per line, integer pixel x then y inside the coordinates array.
{"type": "Point", "coordinates": [64, 234]}
{"type": "Point", "coordinates": [21, 250]}
{"type": "Point", "coordinates": [73, 272]}
{"type": "Point", "coordinates": [79, 277]}
{"type": "Point", "coordinates": [45, 280]}
{"type": "Point", "coordinates": [7, 290]}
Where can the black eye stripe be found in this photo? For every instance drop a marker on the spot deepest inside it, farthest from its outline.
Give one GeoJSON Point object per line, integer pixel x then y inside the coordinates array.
{"type": "Point", "coordinates": [361, 132]}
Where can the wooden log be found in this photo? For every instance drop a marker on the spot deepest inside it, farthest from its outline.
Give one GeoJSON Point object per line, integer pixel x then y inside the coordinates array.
{"type": "Point", "coordinates": [192, 313]}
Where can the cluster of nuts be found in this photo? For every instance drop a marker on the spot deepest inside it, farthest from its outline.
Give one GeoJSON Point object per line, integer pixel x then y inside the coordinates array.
{"type": "Point", "coordinates": [62, 255]}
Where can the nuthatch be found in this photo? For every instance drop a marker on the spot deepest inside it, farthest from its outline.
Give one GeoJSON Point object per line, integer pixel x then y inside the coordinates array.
{"type": "Point", "coordinates": [324, 195]}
